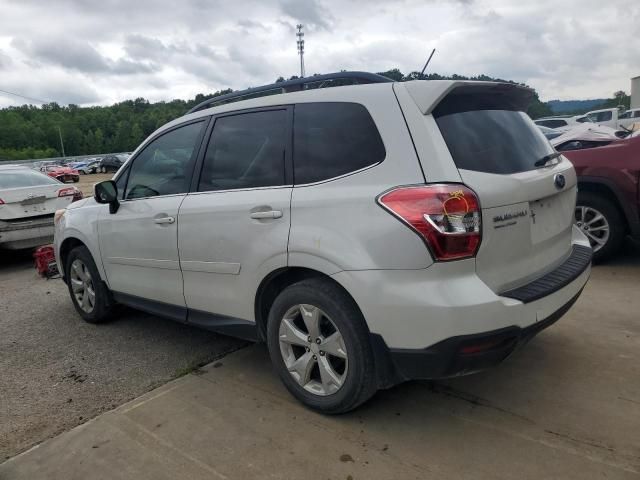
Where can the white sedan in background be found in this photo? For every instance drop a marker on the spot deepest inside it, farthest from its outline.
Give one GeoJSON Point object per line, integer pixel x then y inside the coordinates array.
{"type": "Point", "coordinates": [28, 202]}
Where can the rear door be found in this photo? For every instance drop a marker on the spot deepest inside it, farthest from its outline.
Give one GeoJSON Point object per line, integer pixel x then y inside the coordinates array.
{"type": "Point", "coordinates": [233, 229]}
{"type": "Point", "coordinates": [527, 204]}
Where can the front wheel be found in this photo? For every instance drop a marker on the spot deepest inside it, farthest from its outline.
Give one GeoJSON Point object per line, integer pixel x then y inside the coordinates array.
{"type": "Point", "coordinates": [600, 220]}
{"type": "Point", "coordinates": [319, 345]}
{"type": "Point", "coordinates": [90, 296]}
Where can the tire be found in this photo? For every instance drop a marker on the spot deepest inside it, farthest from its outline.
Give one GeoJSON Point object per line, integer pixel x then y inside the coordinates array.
{"type": "Point", "coordinates": [355, 374]}
{"type": "Point", "coordinates": [588, 206]}
{"type": "Point", "coordinates": [76, 179]}
{"type": "Point", "coordinates": [102, 307]}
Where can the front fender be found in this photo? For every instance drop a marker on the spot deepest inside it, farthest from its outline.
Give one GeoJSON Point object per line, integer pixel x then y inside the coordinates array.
{"type": "Point", "coordinates": [80, 224]}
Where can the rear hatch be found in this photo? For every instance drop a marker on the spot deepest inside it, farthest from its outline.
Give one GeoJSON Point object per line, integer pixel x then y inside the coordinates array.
{"type": "Point", "coordinates": [527, 204]}
{"type": "Point", "coordinates": [25, 194]}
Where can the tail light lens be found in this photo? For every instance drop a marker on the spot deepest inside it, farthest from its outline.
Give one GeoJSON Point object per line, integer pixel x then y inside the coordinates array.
{"type": "Point", "coordinates": [1, 202]}
{"type": "Point", "coordinates": [67, 192]}
{"type": "Point", "coordinates": [446, 216]}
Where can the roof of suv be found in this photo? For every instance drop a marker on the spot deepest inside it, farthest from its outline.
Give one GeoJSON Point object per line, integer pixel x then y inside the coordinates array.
{"type": "Point", "coordinates": [426, 94]}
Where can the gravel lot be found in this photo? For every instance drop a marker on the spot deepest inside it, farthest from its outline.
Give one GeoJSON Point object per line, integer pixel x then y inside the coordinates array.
{"type": "Point", "coordinates": [58, 371]}
{"type": "Point", "coordinates": [87, 181]}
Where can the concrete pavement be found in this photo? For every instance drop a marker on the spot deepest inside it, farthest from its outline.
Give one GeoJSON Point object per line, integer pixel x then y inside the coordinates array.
{"type": "Point", "coordinates": [233, 420]}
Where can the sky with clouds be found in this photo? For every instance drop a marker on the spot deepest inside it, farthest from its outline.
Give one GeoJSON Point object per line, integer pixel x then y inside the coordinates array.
{"type": "Point", "coordinates": [104, 51]}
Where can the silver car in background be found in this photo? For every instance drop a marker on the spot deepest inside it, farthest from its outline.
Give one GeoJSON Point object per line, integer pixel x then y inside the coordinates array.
{"type": "Point", "coordinates": [28, 202]}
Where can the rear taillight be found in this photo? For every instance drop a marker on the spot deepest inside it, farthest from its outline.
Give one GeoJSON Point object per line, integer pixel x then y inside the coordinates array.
{"type": "Point", "coordinates": [446, 216]}
{"type": "Point", "coordinates": [1, 202]}
{"type": "Point", "coordinates": [67, 192]}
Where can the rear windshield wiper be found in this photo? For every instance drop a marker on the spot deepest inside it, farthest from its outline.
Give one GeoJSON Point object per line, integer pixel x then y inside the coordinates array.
{"type": "Point", "coordinates": [546, 159]}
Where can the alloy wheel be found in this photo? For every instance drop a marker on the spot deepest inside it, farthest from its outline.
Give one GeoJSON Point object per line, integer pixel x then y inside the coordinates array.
{"type": "Point", "coordinates": [594, 225]}
{"type": "Point", "coordinates": [313, 349]}
{"type": "Point", "coordinates": [82, 286]}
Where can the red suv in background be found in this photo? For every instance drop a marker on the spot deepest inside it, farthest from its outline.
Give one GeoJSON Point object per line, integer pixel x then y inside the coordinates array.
{"type": "Point", "coordinates": [608, 206]}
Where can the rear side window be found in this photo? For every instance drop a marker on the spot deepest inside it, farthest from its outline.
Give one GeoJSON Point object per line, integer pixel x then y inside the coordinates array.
{"type": "Point", "coordinates": [493, 141]}
{"type": "Point", "coordinates": [246, 151]}
{"type": "Point", "coordinates": [333, 139]}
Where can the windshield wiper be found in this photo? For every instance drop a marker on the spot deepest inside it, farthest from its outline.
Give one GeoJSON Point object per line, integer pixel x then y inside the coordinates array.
{"type": "Point", "coordinates": [546, 159]}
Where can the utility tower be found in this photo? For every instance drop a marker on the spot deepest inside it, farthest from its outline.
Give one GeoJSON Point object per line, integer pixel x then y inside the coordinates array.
{"type": "Point", "coordinates": [300, 42]}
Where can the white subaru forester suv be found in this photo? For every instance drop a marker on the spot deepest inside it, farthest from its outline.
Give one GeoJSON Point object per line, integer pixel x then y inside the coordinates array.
{"type": "Point", "coordinates": [369, 234]}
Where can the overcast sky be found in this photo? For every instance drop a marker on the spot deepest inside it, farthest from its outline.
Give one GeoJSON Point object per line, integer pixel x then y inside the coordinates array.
{"type": "Point", "coordinates": [104, 51]}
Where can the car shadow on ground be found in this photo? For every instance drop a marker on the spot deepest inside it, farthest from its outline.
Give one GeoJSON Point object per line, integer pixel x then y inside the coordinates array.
{"type": "Point", "coordinates": [13, 260]}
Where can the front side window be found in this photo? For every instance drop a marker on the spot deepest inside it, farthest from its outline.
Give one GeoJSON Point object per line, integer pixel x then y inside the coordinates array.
{"type": "Point", "coordinates": [333, 139]}
{"type": "Point", "coordinates": [164, 166]}
{"type": "Point", "coordinates": [246, 151]}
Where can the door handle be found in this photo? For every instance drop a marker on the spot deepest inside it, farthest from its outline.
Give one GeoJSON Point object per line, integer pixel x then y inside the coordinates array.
{"type": "Point", "coordinates": [164, 220]}
{"type": "Point", "coordinates": [268, 214]}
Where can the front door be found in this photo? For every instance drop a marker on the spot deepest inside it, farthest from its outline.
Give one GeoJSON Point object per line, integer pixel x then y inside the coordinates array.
{"type": "Point", "coordinates": [139, 243]}
{"type": "Point", "coordinates": [234, 229]}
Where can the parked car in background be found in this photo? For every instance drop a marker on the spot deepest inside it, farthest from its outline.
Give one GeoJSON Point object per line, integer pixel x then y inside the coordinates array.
{"type": "Point", "coordinates": [628, 118]}
{"type": "Point", "coordinates": [587, 135]}
{"type": "Point", "coordinates": [550, 133]}
{"type": "Point", "coordinates": [607, 117]}
{"type": "Point", "coordinates": [86, 167]}
{"type": "Point", "coordinates": [608, 204]}
{"type": "Point", "coordinates": [61, 173]}
{"type": "Point", "coordinates": [560, 123]}
{"type": "Point", "coordinates": [28, 201]}
{"type": "Point", "coordinates": [112, 163]}
{"type": "Point", "coordinates": [369, 234]}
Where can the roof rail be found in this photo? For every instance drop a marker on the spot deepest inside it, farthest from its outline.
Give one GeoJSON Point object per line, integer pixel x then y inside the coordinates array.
{"type": "Point", "coordinates": [290, 86]}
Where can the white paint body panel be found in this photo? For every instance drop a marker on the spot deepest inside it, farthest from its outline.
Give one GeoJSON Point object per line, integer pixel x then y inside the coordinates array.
{"type": "Point", "coordinates": [221, 255]}
{"type": "Point", "coordinates": [224, 253]}
{"type": "Point", "coordinates": [140, 257]}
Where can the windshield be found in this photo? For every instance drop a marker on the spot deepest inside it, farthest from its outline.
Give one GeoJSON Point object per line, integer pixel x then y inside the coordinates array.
{"type": "Point", "coordinates": [24, 178]}
{"type": "Point", "coordinates": [493, 141]}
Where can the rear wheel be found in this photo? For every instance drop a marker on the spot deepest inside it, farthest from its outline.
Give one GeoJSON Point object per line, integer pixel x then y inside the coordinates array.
{"type": "Point", "coordinates": [319, 345]}
{"type": "Point", "coordinates": [90, 296]}
{"type": "Point", "coordinates": [600, 220]}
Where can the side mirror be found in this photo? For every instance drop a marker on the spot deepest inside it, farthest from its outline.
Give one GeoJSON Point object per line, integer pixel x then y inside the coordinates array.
{"type": "Point", "coordinates": [107, 192]}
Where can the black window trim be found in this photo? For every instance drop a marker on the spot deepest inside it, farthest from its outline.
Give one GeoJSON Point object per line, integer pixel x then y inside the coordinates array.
{"type": "Point", "coordinates": [348, 174]}
{"type": "Point", "coordinates": [126, 167]}
{"type": "Point", "coordinates": [288, 163]}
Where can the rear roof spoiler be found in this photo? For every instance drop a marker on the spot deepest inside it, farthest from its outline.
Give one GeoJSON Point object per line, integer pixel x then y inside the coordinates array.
{"type": "Point", "coordinates": [441, 97]}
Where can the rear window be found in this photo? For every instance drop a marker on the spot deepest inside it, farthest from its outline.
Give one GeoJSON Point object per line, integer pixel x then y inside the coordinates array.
{"type": "Point", "coordinates": [24, 178]}
{"type": "Point", "coordinates": [333, 139]}
{"type": "Point", "coordinates": [493, 141]}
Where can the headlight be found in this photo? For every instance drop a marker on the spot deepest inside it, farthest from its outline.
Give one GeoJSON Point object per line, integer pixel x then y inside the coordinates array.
{"type": "Point", "coordinates": [58, 215]}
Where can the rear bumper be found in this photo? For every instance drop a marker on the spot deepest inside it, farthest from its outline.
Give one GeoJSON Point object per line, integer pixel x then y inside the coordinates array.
{"type": "Point", "coordinates": [26, 234]}
{"type": "Point", "coordinates": [421, 320]}
{"type": "Point", "coordinates": [464, 354]}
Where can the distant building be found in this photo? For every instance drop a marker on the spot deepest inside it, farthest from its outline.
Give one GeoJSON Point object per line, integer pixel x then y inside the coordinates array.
{"type": "Point", "coordinates": [635, 92]}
